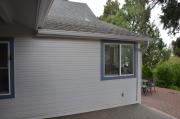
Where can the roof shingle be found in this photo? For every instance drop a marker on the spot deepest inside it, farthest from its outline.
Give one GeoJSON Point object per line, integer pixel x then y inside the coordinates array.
{"type": "Point", "coordinates": [70, 16]}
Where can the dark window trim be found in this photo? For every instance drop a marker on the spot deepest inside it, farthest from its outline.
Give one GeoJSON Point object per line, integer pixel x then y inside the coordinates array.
{"type": "Point", "coordinates": [12, 94]}
{"type": "Point", "coordinates": [102, 60]}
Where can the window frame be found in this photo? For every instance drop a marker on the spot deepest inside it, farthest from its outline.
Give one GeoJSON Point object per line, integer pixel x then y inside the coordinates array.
{"type": "Point", "coordinates": [120, 43]}
{"type": "Point", "coordinates": [11, 93]}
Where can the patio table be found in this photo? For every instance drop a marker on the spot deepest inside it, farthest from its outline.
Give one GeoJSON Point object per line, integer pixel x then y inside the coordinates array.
{"type": "Point", "coordinates": [146, 85]}
{"type": "Point", "coordinates": [144, 81]}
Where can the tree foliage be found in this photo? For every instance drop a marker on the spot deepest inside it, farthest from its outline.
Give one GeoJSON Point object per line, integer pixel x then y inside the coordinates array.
{"type": "Point", "coordinates": [176, 47]}
{"type": "Point", "coordinates": [146, 72]}
{"type": "Point", "coordinates": [170, 14]}
{"type": "Point", "coordinates": [135, 16]}
{"type": "Point", "coordinates": [156, 51]}
{"type": "Point", "coordinates": [165, 75]}
{"type": "Point", "coordinates": [171, 17]}
{"type": "Point", "coordinates": [110, 9]}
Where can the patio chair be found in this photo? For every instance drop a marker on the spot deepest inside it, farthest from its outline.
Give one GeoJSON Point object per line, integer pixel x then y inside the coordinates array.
{"type": "Point", "coordinates": [154, 83]}
{"type": "Point", "coordinates": [146, 87]}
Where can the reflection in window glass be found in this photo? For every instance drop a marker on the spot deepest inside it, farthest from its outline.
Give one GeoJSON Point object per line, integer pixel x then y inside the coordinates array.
{"type": "Point", "coordinates": [3, 55]}
{"type": "Point", "coordinates": [4, 79]}
{"type": "Point", "coordinates": [4, 82]}
{"type": "Point", "coordinates": [111, 60]}
{"type": "Point", "coordinates": [126, 59]}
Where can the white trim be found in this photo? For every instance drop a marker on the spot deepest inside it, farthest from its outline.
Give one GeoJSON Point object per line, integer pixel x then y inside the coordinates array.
{"type": "Point", "coordinates": [139, 59]}
{"type": "Point", "coordinates": [120, 59]}
{"type": "Point", "coordinates": [75, 34]}
{"type": "Point", "coordinates": [8, 67]}
{"type": "Point", "coordinates": [42, 11]}
{"type": "Point", "coordinates": [4, 13]}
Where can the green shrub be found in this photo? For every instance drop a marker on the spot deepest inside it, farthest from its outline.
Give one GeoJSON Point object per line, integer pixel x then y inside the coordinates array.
{"type": "Point", "coordinates": [165, 75]}
{"type": "Point", "coordinates": [154, 72]}
{"type": "Point", "coordinates": [176, 72]}
{"type": "Point", "coordinates": [146, 72]}
{"type": "Point", "coordinates": [177, 83]}
{"type": "Point", "coordinates": [174, 87]}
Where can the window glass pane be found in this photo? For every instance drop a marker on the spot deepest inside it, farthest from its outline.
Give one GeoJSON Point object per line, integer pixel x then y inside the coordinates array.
{"type": "Point", "coordinates": [111, 60]}
{"type": "Point", "coordinates": [3, 55]}
{"type": "Point", "coordinates": [4, 82]}
{"type": "Point", "coordinates": [127, 59]}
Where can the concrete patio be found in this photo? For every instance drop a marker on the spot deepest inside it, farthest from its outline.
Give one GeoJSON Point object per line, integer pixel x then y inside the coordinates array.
{"type": "Point", "coordinates": [164, 100]}
{"type": "Point", "coordinates": [135, 111]}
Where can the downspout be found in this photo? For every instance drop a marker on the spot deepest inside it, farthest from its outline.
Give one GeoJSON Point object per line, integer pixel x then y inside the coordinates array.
{"type": "Point", "coordinates": [140, 69]}
{"type": "Point", "coordinates": [145, 47]}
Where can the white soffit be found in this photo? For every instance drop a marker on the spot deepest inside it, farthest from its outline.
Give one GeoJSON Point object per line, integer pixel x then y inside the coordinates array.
{"type": "Point", "coordinates": [4, 13]}
{"type": "Point", "coordinates": [28, 13]}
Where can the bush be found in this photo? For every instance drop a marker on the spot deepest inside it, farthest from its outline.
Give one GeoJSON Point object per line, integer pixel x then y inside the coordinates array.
{"type": "Point", "coordinates": [176, 72]}
{"type": "Point", "coordinates": [174, 88]}
{"type": "Point", "coordinates": [165, 75]}
{"type": "Point", "coordinates": [146, 72]}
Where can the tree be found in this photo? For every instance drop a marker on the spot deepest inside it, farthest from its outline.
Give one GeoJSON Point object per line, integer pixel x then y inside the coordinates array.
{"type": "Point", "coordinates": [156, 51]}
{"type": "Point", "coordinates": [170, 14]}
{"type": "Point", "coordinates": [110, 9]}
{"type": "Point", "coordinates": [134, 16]}
{"type": "Point", "coordinates": [176, 47]}
{"type": "Point", "coordinates": [171, 17]}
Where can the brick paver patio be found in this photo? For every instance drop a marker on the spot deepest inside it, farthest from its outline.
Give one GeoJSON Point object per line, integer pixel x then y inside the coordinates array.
{"type": "Point", "coordinates": [164, 100]}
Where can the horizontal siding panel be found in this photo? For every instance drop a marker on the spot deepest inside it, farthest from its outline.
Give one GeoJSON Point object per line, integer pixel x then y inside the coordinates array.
{"type": "Point", "coordinates": [64, 105]}
{"type": "Point", "coordinates": [66, 87]}
{"type": "Point", "coordinates": [71, 81]}
{"type": "Point", "coordinates": [48, 102]}
{"type": "Point", "coordinates": [49, 89]}
{"type": "Point", "coordinates": [61, 111]}
{"type": "Point", "coordinates": [32, 79]}
{"type": "Point", "coordinates": [66, 97]}
{"type": "Point", "coordinates": [61, 75]}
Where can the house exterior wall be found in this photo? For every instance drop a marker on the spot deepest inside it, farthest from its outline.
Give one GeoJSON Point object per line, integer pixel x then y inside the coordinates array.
{"type": "Point", "coordinates": [56, 77]}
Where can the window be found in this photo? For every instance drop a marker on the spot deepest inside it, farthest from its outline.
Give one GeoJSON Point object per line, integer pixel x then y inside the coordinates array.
{"type": "Point", "coordinates": [6, 68]}
{"type": "Point", "coordinates": [118, 60]}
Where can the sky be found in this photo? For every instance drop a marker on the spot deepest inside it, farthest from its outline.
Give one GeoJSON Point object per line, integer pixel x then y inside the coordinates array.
{"type": "Point", "coordinates": [97, 7]}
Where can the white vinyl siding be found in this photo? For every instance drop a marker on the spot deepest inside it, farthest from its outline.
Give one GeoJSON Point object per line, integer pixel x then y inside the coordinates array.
{"type": "Point", "coordinates": [56, 77]}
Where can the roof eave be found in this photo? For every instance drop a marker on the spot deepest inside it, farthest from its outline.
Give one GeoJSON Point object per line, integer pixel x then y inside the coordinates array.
{"type": "Point", "coordinates": [42, 12]}
{"type": "Point", "coordinates": [89, 35]}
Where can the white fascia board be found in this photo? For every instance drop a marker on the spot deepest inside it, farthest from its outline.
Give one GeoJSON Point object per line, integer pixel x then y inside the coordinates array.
{"type": "Point", "coordinates": [89, 35]}
{"type": "Point", "coordinates": [4, 13]}
{"type": "Point", "coordinates": [42, 11]}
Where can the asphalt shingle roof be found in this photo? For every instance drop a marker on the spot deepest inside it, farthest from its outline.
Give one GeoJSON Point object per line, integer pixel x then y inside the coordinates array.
{"type": "Point", "coordinates": [70, 16]}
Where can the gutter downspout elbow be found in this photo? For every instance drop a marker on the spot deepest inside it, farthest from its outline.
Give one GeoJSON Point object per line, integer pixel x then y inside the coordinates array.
{"type": "Point", "coordinates": [145, 47]}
